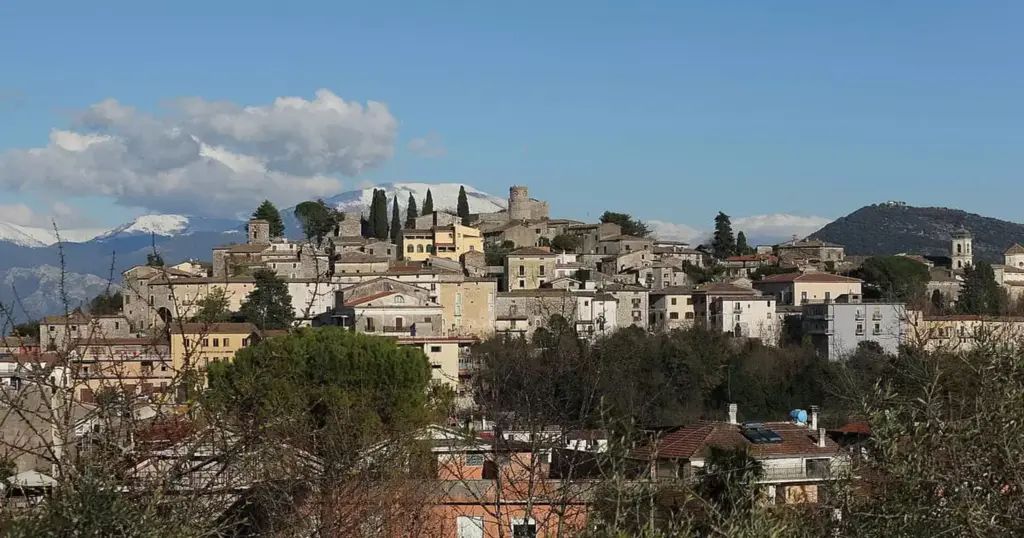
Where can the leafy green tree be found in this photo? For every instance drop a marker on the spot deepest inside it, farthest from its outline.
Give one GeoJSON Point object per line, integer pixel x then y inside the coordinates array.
{"type": "Point", "coordinates": [742, 248]}
{"type": "Point", "coordinates": [268, 211]}
{"type": "Point", "coordinates": [106, 304]}
{"type": "Point", "coordinates": [428, 204]}
{"type": "Point", "coordinates": [896, 278]}
{"type": "Point", "coordinates": [629, 225]}
{"type": "Point", "coordinates": [411, 213]}
{"type": "Point", "coordinates": [723, 244]}
{"type": "Point", "coordinates": [462, 209]}
{"type": "Point", "coordinates": [213, 308]}
{"type": "Point", "coordinates": [317, 220]}
{"type": "Point", "coordinates": [154, 259]}
{"type": "Point", "coordinates": [565, 243]}
{"type": "Point", "coordinates": [268, 305]}
{"type": "Point", "coordinates": [328, 390]}
{"type": "Point", "coordinates": [396, 223]}
{"type": "Point", "coordinates": [980, 293]}
{"type": "Point", "coordinates": [728, 479]}
{"type": "Point", "coordinates": [29, 329]}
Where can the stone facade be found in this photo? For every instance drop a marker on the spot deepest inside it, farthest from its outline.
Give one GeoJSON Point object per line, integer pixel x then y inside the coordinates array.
{"type": "Point", "coordinates": [529, 268]}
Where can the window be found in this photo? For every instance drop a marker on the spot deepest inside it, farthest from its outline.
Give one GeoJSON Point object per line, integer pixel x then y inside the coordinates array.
{"type": "Point", "coordinates": [399, 299]}
{"type": "Point", "coordinates": [216, 342]}
{"type": "Point", "coordinates": [206, 342]}
{"type": "Point", "coordinates": [689, 300]}
{"type": "Point", "coordinates": [522, 283]}
{"type": "Point", "coordinates": [472, 248]}
{"type": "Point", "coordinates": [410, 249]}
{"type": "Point", "coordinates": [673, 315]}
{"type": "Point", "coordinates": [226, 340]}
{"type": "Point", "coordinates": [524, 528]}
{"type": "Point", "coordinates": [636, 303]}
{"type": "Point", "coordinates": [803, 296]}
{"type": "Point", "coordinates": [419, 249]}
{"type": "Point", "coordinates": [369, 325]}
{"type": "Point", "coordinates": [474, 460]}
{"type": "Point", "coordinates": [672, 301]}
{"type": "Point", "coordinates": [245, 342]}
{"type": "Point", "coordinates": [51, 328]}
{"type": "Point", "coordinates": [586, 303]}
{"type": "Point", "coordinates": [470, 526]}
{"type": "Point", "coordinates": [860, 329]}
{"type": "Point", "coordinates": [522, 270]}
{"type": "Point", "coordinates": [828, 296]}
{"type": "Point", "coordinates": [127, 299]}
{"type": "Point", "coordinates": [74, 327]}
{"type": "Point", "coordinates": [542, 270]}
{"type": "Point", "coordinates": [435, 349]}
{"type": "Point", "coordinates": [689, 315]}
{"type": "Point", "coordinates": [117, 325]}
{"type": "Point", "coordinates": [877, 329]}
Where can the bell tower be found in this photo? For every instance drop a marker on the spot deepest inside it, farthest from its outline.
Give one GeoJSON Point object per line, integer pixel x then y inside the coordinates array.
{"type": "Point", "coordinates": [960, 249]}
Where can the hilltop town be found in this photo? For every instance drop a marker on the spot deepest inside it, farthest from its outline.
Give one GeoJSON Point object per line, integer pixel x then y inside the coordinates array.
{"type": "Point", "coordinates": [448, 283]}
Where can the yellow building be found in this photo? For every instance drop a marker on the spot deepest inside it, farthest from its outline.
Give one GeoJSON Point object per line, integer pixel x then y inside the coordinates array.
{"type": "Point", "coordinates": [449, 242]}
{"type": "Point", "coordinates": [126, 365]}
{"type": "Point", "coordinates": [448, 359]}
{"type": "Point", "coordinates": [467, 307]}
{"type": "Point", "coordinates": [196, 345]}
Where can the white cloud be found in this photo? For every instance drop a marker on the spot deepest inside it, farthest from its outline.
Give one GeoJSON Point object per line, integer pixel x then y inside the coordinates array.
{"type": "Point", "coordinates": [63, 214]}
{"type": "Point", "coordinates": [19, 214]}
{"type": "Point", "coordinates": [429, 146]}
{"type": "Point", "coordinates": [208, 158]}
{"type": "Point", "coordinates": [757, 228]}
{"type": "Point", "coordinates": [668, 231]}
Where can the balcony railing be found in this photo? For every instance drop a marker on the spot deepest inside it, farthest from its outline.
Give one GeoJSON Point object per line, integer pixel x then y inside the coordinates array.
{"type": "Point", "coordinates": [796, 472]}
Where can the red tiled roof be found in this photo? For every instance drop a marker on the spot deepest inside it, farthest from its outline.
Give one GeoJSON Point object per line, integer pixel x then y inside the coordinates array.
{"type": "Point", "coordinates": [856, 426]}
{"type": "Point", "coordinates": [809, 277]}
{"type": "Point", "coordinates": [693, 441]}
{"type": "Point", "coordinates": [368, 298]}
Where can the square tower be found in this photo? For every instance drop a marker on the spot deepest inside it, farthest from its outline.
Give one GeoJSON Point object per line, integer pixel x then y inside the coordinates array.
{"type": "Point", "coordinates": [259, 232]}
{"type": "Point", "coordinates": [960, 249]}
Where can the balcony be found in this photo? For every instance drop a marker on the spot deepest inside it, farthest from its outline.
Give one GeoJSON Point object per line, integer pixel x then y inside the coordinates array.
{"type": "Point", "coordinates": [797, 473]}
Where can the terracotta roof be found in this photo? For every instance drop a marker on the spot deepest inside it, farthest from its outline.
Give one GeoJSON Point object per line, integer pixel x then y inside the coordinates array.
{"type": "Point", "coordinates": [673, 290]}
{"type": "Point", "coordinates": [532, 251]}
{"type": "Point", "coordinates": [361, 257]}
{"type": "Point", "coordinates": [74, 317]}
{"type": "Point", "coordinates": [368, 298]}
{"type": "Point", "coordinates": [693, 441]}
{"type": "Point", "coordinates": [856, 426]}
{"type": "Point", "coordinates": [809, 277]}
{"type": "Point", "coordinates": [212, 328]}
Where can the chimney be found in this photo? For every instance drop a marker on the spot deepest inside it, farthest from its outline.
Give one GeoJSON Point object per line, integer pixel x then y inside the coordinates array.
{"type": "Point", "coordinates": [732, 413]}
{"type": "Point", "coordinates": [821, 437]}
{"type": "Point", "coordinates": [814, 418]}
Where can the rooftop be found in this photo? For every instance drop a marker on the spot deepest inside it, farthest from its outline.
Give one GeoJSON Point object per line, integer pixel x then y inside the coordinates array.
{"type": "Point", "coordinates": [693, 441]}
{"type": "Point", "coordinates": [1015, 249]}
{"type": "Point", "coordinates": [532, 251]}
{"type": "Point", "coordinates": [212, 328]}
{"type": "Point", "coordinates": [809, 277]}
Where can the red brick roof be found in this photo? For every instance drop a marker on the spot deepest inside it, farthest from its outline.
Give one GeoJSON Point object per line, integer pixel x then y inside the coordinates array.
{"type": "Point", "coordinates": [368, 298]}
{"type": "Point", "coordinates": [809, 277]}
{"type": "Point", "coordinates": [693, 441]}
{"type": "Point", "coordinates": [856, 426]}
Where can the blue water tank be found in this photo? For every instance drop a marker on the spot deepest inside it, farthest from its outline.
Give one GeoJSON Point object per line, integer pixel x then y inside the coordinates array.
{"type": "Point", "coordinates": [798, 415]}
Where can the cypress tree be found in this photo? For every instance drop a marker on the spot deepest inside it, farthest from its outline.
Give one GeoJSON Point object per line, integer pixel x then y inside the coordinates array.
{"type": "Point", "coordinates": [723, 244]}
{"type": "Point", "coordinates": [741, 244]}
{"type": "Point", "coordinates": [411, 213]}
{"type": "Point", "coordinates": [428, 204]}
{"type": "Point", "coordinates": [268, 212]}
{"type": "Point", "coordinates": [372, 219]}
{"type": "Point", "coordinates": [396, 223]}
{"type": "Point", "coordinates": [380, 225]}
{"type": "Point", "coordinates": [462, 210]}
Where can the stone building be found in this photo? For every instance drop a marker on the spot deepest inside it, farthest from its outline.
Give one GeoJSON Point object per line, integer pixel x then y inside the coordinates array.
{"type": "Point", "coordinates": [521, 312]}
{"type": "Point", "coordinates": [520, 207]}
{"type": "Point", "coordinates": [62, 333]}
{"type": "Point", "coordinates": [590, 235]}
{"type": "Point", "coordinates": [813, 252]}
{"type": "Point", "coordinates": [386, 307]}
{"type": "Point", "coordinates": [529, 268]}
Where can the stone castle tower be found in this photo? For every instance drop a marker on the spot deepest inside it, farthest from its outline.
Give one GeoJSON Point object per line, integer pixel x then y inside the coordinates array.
{"type": "Point", "coordinates": [259, 232]}
{"type": "Point", "coordinates": [960, 249]}
{"type": "Point", "coordinates": [519, 207]}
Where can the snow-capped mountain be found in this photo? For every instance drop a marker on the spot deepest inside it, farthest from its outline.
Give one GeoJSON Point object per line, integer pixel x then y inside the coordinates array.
{"type": "Point", "coordinates": [36, 291]}
{"type": "Point", "coordinates": [759, 229]}
{"type": "Point", "coordinates": [445, 196]}
{"type": "Point", "coordinates": [28, 236]}
{"type": "Point", "coordinates": [169, 226]}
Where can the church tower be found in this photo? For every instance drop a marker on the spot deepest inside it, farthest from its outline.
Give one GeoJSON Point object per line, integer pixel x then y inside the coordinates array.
{"type": "Point", "coordinates": [960, 250]}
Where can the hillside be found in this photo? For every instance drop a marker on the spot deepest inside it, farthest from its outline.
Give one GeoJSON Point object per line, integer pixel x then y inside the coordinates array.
{"type": "Point", "coordinates": [893, 228]}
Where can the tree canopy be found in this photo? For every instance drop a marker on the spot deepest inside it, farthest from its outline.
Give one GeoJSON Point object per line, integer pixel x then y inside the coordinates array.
{"type": "Point", "coordinates": [629, 225]}
{"type": "Point", "coordinates": [895, 278]}
{"type": "Point", "coordinates": [565, 243]}
{"type": "Point", "coordinates": [462, 209]}
{"type": "Point", "coordinates": [428, 204]}
{"type": "Point", "coordinates": [268, 305]}
{"type": "Point", "coordinates": [317, 220]}
{"type": "Point", "coordinates": [980, 293]}
{"type": "Point", "coordinates": [328, 390]}
{"type": "Point", "coordinates": [268, 211]}
{"type": "Point", "coordinates": [29, 329]}
{"type": "Point", "coordinates": [411, 212]}
{"type": "Point", "coordinates": [214, 307]}
{"type": "Point", "coordinates": [106, 303]}
{"type": "Point", "coordinates": [396, 222]}
{"type": "Point", "coordinates": [723, 244]}
{"type": "Point", "coordinates": [742, 248]}
{"type": "Point", "coordinates": [154, 259]}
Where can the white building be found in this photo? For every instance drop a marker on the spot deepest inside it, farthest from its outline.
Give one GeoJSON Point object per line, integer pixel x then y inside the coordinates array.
{"type": "Point", "coordinates": [751, 316]}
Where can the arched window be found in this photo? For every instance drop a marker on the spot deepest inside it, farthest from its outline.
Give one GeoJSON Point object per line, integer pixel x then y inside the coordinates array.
{"type": "Point", "coordinates": [419, 248]}
{"type": "Point", "coordinates": [399, 299]}
{"type": "Point", "coordinates": [959, 248]}
{"type": "Point", "coordinates": [410, 249]}
{"type": "Point", "coordinates": [959, 264]}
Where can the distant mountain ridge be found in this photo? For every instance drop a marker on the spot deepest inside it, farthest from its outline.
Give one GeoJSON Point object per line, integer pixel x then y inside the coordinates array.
{"type": "Point", "coordinates": [895, 228]}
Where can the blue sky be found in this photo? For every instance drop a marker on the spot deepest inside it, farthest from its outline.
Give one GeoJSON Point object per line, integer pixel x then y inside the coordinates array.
{"type": "Point", "coordinates": [670, 111]}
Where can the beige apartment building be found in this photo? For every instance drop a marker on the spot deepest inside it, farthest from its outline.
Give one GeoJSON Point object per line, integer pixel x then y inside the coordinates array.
{"type": "Point", "coordinates": [122, 365]}
{"type": "Point", "coordinates": [958, 333]}
{"type": "Point", "coordinates": [196, 345]}
{"type": "Point", "coordinates": [805, 288]}
{"type": "Point", "coordinates": [61, 333]}
{"type": "Point", "coordinates": [467, 306]}
{"type": "Point", "coordinates": [529, 268]}
{"type": "Point", "coordinates": [672, 308]}
{"type": "Point", "coordinates": [449, 242]}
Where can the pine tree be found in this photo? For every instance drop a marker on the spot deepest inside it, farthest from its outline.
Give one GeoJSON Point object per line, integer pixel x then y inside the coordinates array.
{"type": "Point", "coordinates": [428, 204]}
{"type": "Point", "coordinates": [268, 211]}
{"type": "Point", "coordinates": [723, 244]}
{"type": "Point", "coordinates": [980, 293]}
{"type": "Point", "coordinates": [411, 213]}
{"type": "Point", "coordinates": [268, 305]}
{"type": "Point", "coordinates": [380, 224]}
{"type": "Point", "coordinates": [462, 209]}
{"type": "Point", "coordinates": [396, 223]}
{"type": "Point", "coordinates": [742, 249]}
